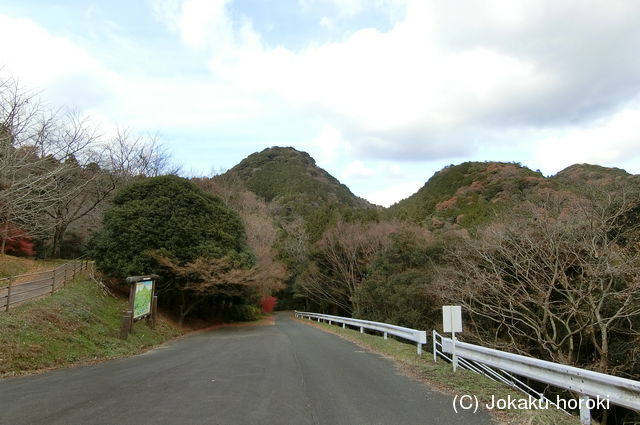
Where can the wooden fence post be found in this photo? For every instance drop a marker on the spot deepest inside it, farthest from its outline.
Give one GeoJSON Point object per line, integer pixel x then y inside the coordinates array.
{"type": "Point", "coordinates": [154, 311]}
{"type": "Point", "coordinates": [53, 280]}
{"type": "Point", "coordinates": [127, 319]}
{"type": "Point", "coordinates": [9, 294]}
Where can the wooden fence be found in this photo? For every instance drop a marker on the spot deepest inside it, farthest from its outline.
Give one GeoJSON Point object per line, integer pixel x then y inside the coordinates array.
{"type": "Point", "coordinates": [17, 289]}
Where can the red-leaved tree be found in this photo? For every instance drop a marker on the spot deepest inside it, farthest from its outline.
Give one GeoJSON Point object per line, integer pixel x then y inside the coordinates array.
{"type": "Point", "coordinates": [18, 242]}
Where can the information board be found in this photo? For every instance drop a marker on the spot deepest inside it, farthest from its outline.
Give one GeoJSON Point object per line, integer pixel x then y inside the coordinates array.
{"type": "Point", "coordinates": [142, 298]}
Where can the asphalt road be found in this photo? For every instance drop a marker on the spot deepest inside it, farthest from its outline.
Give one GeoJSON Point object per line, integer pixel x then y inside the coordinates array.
{"type": "Point", "coordinates": [288, 373]}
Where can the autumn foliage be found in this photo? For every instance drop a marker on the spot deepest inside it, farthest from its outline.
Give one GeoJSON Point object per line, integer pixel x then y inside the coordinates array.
{"type": "Point", "coordinates": [268, 304]}
{"type": "Point", "coordinates": [18, 242]}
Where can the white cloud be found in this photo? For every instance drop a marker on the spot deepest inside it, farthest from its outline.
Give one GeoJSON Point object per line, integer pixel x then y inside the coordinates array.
{"type": "Point", "coordinates": [393, 194]}
{"type": "Point", "coordinates": [420, 89]}
{"type": "Point", "coordinates": [356, 169]}
{"type": "Point", "coordinates": [609, 141]}
{"type": "Point", "coordinates": [67, 75]}
{"type": "Point", "coordinates": [329, 144]}
{"type": "Point", "coordinates": [41, 60]}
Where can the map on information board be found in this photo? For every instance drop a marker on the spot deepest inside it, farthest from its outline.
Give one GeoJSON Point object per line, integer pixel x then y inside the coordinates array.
{"type": "Point", "coordinates": [142, 298]}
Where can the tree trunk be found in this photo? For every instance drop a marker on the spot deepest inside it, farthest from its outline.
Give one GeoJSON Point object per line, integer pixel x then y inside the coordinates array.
{"type": "Point", "coordinates": [58, 237]}
{"type": "Point", "coordinates": [5, 237]}
{"type": "Point", "coordinates": [604, 349]}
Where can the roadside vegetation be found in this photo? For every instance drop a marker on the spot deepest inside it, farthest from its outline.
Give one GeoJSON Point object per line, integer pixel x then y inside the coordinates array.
{"type": "Point", "coordinates": [79, 324]}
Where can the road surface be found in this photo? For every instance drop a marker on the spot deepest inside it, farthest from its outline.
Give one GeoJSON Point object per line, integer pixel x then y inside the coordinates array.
{"type": "Point", "coordinates": [288, 373]}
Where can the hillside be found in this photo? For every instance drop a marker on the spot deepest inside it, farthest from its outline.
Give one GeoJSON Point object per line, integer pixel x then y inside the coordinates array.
{"type": "Point", "coordinates": [580, 174]}
{"type": "Point", "coordinates": [467, 194]}
{"type": "Point", "coordinates": [284, 174]}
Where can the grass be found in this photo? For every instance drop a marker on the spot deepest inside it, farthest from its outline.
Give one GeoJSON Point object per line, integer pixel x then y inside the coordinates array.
{"type": "Point", "coordinates": [78, 324]}
{"type": "Point", "coordinates": [440, 376]}
{"type": "Point", "coordinates": [12, 266]}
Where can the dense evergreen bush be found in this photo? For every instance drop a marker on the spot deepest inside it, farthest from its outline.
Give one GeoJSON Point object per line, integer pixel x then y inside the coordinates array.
{"type": "Point", "coordinates": [167, 214]}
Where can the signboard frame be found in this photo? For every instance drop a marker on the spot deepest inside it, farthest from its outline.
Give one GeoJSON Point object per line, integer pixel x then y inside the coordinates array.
{"type": "Point", "coordinates": [139, 307]}
{"type": "Point", "coordinates": [451, 318]}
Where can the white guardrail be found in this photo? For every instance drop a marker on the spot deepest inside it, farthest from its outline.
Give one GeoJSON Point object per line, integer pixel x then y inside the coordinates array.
{"type": "Point", "coordinates": [619, 391]}
{"type": "Point", "coordinates": [419, 337]}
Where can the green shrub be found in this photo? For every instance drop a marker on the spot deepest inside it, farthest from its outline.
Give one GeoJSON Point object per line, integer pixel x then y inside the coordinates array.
{"type": "Point", "coordinates": [244, 313]}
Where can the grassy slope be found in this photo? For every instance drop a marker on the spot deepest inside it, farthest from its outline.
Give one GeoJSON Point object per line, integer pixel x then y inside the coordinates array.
{"type": "Point", "coordinates": [12, 266]}
{"type": "Point", "coordinates": [78, 324]}
{"type": "Point", "coordinates": [440, 376]}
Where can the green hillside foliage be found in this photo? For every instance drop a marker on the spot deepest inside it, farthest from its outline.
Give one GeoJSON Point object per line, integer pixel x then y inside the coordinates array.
{"type": "Point", "coordinates": [467, 194]}
{"type": "Point", "coordinates": [284, 173]}
{"type": "Point", "coordinates": [170, 214]}
{"type": "Point", "coordinates": [297, 187]}
{"type": "Point", "coordinates": [398, 287]}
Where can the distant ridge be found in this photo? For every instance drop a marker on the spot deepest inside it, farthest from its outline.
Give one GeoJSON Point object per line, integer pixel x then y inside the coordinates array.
{"type": "Point", "coordinates": [284, 174]}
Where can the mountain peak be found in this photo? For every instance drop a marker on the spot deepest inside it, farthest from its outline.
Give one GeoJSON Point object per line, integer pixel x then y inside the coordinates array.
{"type": "Point", "coordinates": [285, 174]}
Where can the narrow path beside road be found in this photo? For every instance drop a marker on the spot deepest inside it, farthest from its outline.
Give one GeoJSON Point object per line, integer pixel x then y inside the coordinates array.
{"type": "Point", "coordinates": [289, 373]}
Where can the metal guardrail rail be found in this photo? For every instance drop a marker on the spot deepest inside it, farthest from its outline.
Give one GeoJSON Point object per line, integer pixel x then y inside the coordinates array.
{"type": "Point", "coordinates": [494, 374]}
{"type": "Point", "coordinates": [619, 391]}
{"type": "Point", "coordinates": [417, 336]}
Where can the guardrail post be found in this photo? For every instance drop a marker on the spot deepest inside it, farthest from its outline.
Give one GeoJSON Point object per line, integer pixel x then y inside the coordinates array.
{"type": "Point", "coordinates": [454, 356]}
{"type": "Point", "coordinates": [361, 330]}
{"type": "Point", "coordinates": [419, 348]}
{"type": "Point", "coordinates": [435, 351]}
{"type": "Point", "coordinates": [585, 412]}
{"type": "Point", "coordinates": [9, 294]}
{"type": "Point", "coordinates": [344, 325]}
{"type": "Point", "coordinates": [385, 335]}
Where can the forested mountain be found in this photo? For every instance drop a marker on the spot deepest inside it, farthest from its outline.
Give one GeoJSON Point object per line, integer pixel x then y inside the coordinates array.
{"type": "Point", "coordinates": [578, 175]}
{"type": "Point", "coordinates": [468, 193]}
{"type": "Point", "coordinates": [285, 174]}
{"type": "Point", "coordinates": [297, 189]}
{"type": "Point", "coordinates": [471, 193]}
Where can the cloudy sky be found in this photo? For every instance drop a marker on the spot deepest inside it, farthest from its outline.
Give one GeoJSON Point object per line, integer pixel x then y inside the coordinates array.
{"type": "Point", "coordinates": [382, 93]}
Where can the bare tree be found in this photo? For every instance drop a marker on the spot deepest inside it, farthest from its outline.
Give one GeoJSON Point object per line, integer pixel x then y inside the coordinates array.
{"type": "Point", "coordinates": [556, 278]}
{"type": "Point", "coordinates": [127, 156]}
{"type": "Point", "coordinates": [340, 261]}
{"type": "Point", "coordinates": [55, 169]}
{"type": "Point", "coordinates": [26, 174]}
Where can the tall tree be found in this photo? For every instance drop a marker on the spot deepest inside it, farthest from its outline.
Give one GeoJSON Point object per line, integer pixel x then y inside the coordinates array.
{"type": "Point", "coordinates": [171, 217]}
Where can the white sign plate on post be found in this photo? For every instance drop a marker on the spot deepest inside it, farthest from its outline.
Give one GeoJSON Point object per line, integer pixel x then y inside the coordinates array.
{"type": "Point", "coordinates": [452, 318]}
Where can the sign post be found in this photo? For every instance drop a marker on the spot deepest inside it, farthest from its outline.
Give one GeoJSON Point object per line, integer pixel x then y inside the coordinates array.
{"type": "Point", "coordinates": [452, 322]}
{"type": "Point", "coordinates": [142, 303]}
